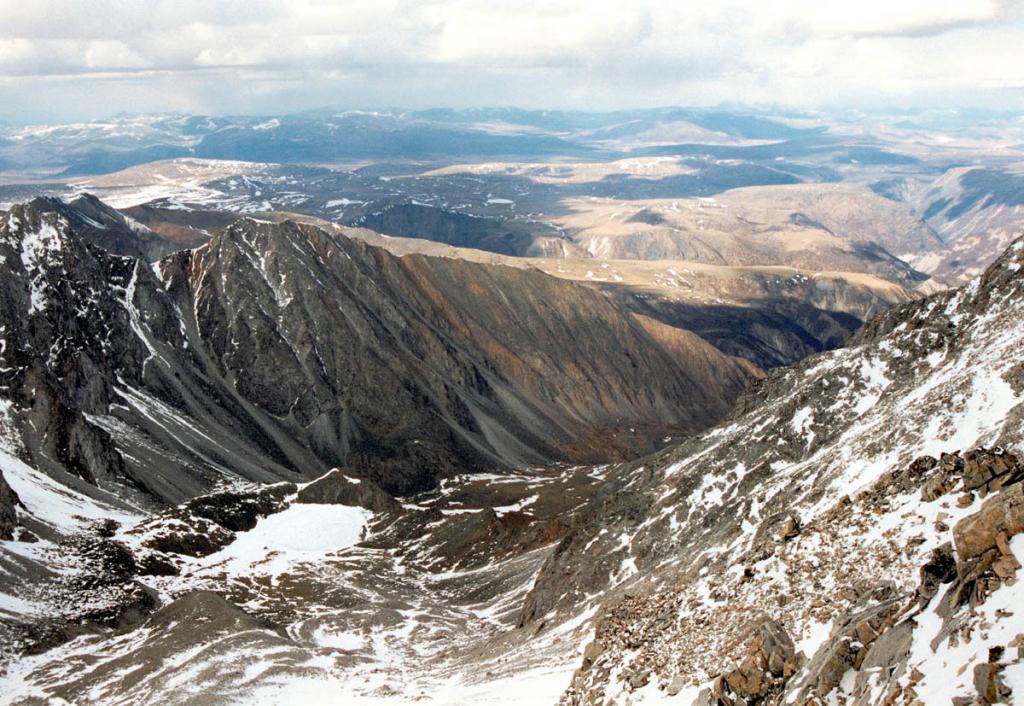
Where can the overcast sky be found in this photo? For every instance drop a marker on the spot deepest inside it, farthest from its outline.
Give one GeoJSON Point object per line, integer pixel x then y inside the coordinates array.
{"type": "Point", "coordinates": [63, 60]}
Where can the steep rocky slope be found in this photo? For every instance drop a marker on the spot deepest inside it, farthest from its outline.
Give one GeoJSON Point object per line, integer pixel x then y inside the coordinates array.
{"type": "Point", "coordinates": [838, 536]}
{"type": "Point", "coordinates": [770, 316]}
{"type": "Point", "coordinates": [102, 226]}
{"type": "Point", "coordinates": [851, 534]}
{"type": "Point", "coordinates": [277, 351]}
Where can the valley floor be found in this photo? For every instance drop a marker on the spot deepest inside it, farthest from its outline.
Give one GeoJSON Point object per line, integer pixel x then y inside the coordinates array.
{"type": "Point", "coordinates": [302, 609]}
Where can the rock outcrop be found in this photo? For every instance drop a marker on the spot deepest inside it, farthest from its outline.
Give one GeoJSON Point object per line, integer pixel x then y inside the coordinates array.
{"type": "Point", "coordinates": [8, 512]}
{"type": "Point", "coordinates": [770, 660]}
{"type": "Point", "coordinates": [338, 488]}
{"type": "Point", "coordinates": [206, 524]}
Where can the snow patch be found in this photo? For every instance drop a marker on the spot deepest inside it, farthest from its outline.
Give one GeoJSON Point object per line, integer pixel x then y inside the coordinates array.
{"type": "Point", "coordinates": [302, 533]}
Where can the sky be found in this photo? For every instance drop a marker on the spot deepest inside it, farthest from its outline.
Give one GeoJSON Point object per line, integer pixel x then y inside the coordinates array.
{"type": "Point", "coordinates": [66, 60]}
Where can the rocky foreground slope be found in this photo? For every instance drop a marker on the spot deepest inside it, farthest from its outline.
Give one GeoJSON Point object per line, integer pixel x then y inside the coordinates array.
{"type": "Point", "coordinates": [841, 540]}
{"type": "Point", "coordinates": [277, 351]}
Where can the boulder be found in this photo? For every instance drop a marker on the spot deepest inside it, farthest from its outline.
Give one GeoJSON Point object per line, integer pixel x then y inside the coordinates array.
{"type": "Point", "coordinates": [1001, 514]}
{"type": "Point", "coordinates": [988, 680]}
{"type": "Point", "coordinates": [677, 684]}
{"type": "Point", "coordinates": [841, 656]}
{"type": "Point", "coordinates": [939, 569]}
{"type": "Point", "coordinates": [865, 636]}
{"type": "Point", "coordinates": [790, 528]}
{"type": "Point", "coordinates": [770, 659]}
{"type": "Point", "coordinates": [935, 487]}
{"type": "Point", "coordinates": [984, 468]}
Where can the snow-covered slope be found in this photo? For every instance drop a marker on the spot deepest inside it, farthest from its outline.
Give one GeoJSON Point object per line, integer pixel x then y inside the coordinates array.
{"type": "Point", "coordinates": [807, 508]}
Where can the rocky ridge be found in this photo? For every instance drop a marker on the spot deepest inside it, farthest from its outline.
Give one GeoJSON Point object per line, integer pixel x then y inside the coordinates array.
{"type": "Point", "coordinates": [278, 351]}
{"type": "Point", "coordinates": [820, 470]}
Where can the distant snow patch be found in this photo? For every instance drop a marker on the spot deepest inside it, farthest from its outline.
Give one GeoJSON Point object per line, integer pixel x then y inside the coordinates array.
{"type": "Point", "coordinates": [302, 533]}
{"type": "Point", "coordinates": [341, 202]}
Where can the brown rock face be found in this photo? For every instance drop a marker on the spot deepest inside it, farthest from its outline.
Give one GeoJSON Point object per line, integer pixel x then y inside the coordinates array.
{"type": "Point", "coordinates": [790, 528]}
{"type": "Point", "coordinates": [770, 660]}
{"type": "Point", "coordinates": [987, 470]}
{"type": "Point", "coordinates": [1000, 516]}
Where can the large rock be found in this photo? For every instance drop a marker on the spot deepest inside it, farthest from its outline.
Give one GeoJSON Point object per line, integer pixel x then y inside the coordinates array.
{"type": "Point", "coordinates": [1000, 517]}
{"type": "Point", "coordinates": [987, 470]}
{"type": "Point", "coordinates": [769, 661]}
{"type": "Point", "coordinates": [939, 569]}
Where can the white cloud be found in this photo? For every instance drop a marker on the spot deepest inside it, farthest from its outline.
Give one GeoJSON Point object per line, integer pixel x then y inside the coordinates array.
{"type": "Point", "coordinates": [299, 53]}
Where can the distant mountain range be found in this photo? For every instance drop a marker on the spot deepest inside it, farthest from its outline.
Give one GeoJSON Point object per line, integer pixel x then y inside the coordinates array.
{"type": "Point", "coordinates": [318, 137]}
{"type": "Point", "coordinates": [954, 191]}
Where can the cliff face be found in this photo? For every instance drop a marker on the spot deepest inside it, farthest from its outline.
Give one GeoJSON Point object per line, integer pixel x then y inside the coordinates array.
{"type": "Point", "coordinates": [277, 351]}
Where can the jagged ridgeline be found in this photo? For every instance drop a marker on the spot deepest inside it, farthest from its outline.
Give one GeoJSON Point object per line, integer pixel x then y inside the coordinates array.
{"type": "Point", "coordinates": [278, 351]}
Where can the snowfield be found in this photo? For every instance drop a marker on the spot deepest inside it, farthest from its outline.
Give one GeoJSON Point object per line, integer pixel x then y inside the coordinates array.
{"type": "Point", "coordinates": [300, 534]}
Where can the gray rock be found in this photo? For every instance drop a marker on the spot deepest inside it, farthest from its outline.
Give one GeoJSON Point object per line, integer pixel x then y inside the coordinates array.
{"type": "Point", "coordinates": [8, 514]}
{"type": "Point", "coordinates": [940, 569]}
{"type": "Point", "coordinates": [338, 488]}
